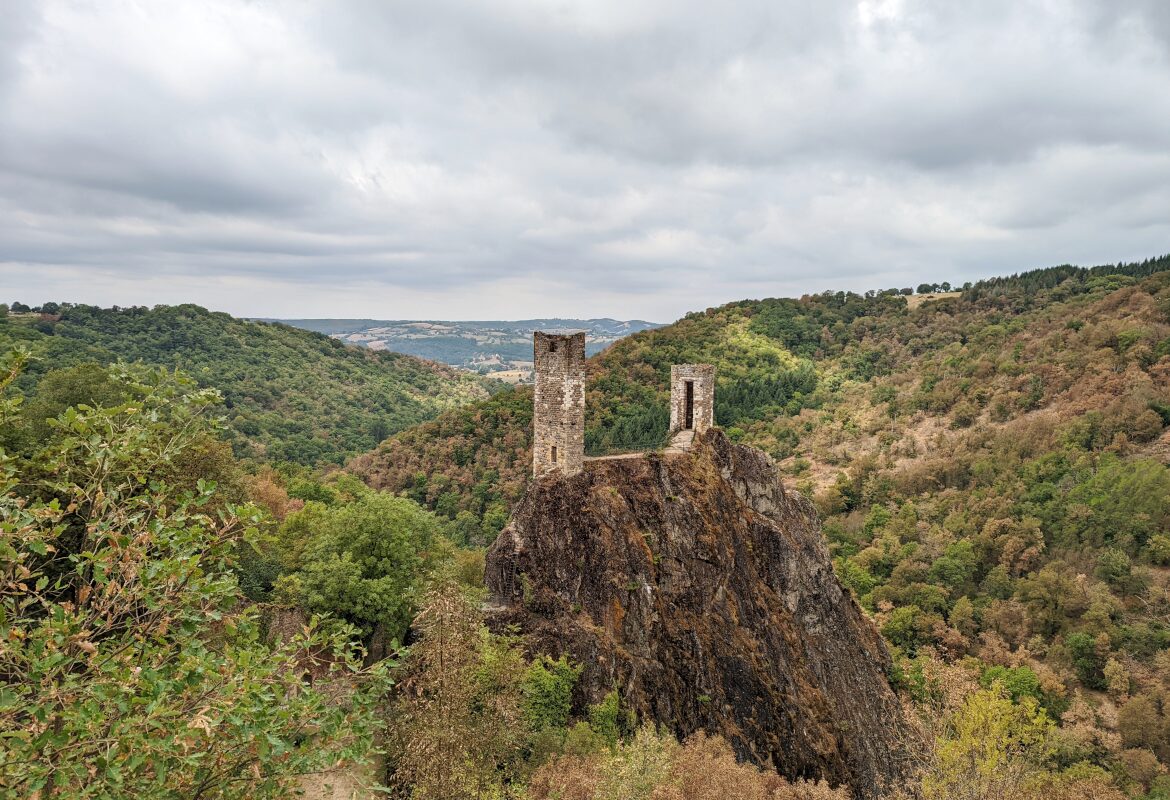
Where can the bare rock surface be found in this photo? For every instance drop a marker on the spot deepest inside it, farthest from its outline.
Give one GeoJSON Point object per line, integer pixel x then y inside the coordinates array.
{"type": "Point", "coordinates": [699, 586]}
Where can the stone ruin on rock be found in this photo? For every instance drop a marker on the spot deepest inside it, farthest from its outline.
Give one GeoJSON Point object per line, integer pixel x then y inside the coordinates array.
{"type": "Point", "coordinates": [698, 585]}
{"type": "Point", "coordinates": [558, 409]}
{"type": "Point", "coordinates": [692, 397]}
{"type": "Point", "coordinates": [558, 405]}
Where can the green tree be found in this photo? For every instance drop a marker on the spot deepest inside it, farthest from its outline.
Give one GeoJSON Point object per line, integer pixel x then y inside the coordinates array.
{"type": "Point", "coordinates": [956, 566]}
{"type": "Point", "coordinates": [610, 719]}
{"type": "Point", "coordinates": [1018, 682]}
{"type": "Point", "coordinates": [366, 562]}
{"type": "Point", "coordinates": [548, 692]}
{"type": "Point", "coordinates": [1087, 659]}
{"type": "Point", "coordinates": [58, 390]}
{"type": "Point", "coordinates": [1121, 504]}
{"type": "Point", "coordinates": [902, 628]}
{"type": "Point", "coordinates": [992, 749]}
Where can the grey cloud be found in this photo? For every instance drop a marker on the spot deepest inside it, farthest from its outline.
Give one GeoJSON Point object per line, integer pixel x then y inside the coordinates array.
{"type": "Point", "coordinates": [415, 159]}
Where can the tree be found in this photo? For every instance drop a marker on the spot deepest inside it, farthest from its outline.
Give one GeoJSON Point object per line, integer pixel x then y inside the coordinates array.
{"type": "Point", "coordinates": [903, 628]}
{"type": "Point", "coordinates": [130, 667]}
{"type": "Point", "coordinates": [366, 562]}
{"type": "Point", "coordinates": [1142, 724]}
{"type": "Point", "coordinates": [1117, 678]}
{"type": "Point", "coordinates": [457, 719]}
{"type": "Point", "coordinates": [1018, 682]}
{"type": "Point", "coordinates": [990, 750]}
{"type": "Point", "coordinates": [1115, 568]}
{"type": "Point", "coordinates": [1088, 660]}
{"type": "Point", "coordinates": [1121, 504]}
{"type": "Point", "coordinates": [548, 692]}
{"type": "Point", "coordinates": [956, 565]}
{"type": "Point", "coordinates": [59, 389]}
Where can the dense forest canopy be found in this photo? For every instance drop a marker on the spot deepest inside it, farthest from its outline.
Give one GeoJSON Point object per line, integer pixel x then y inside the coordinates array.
{"type": "Point", "coordinates": [289, 394]}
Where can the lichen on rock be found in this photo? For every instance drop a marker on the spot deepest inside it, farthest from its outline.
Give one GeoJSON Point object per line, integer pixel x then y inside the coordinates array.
{"type": "Point", "coordinates": [702, 588]}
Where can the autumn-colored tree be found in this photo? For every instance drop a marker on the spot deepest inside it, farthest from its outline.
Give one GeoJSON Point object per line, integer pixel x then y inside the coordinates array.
{"type": "Point", "coordinates": [653, 766]}
{"type": "Point", "coordinates": [458, 722]}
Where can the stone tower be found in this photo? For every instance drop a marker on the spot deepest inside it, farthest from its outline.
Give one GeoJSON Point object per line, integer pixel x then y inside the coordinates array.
{"type": "Point", "coordinates": [692, 397]}
{"type": "Point", "coordinates": [558, 406]}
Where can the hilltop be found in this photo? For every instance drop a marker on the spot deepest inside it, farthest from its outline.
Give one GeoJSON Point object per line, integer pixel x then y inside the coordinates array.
{"type": "Point", "coordinates": [500, 348]}
{"type": "Point", "coordinates": [289, 394]}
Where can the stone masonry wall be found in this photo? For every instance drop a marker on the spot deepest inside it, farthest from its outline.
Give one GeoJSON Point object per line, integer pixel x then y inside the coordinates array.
{"type": "Point", "coordinates": [703, 376]}
{"type": "Point", "coordinates": [558, 418]}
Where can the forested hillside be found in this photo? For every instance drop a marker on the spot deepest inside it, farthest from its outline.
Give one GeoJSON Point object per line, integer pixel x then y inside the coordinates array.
{"type": "Point", "coordinates": [778, 361]}
{"type": "Point", "coordinates": [290, 395]}
{"type": "Point", "coordinates": [991, 468]}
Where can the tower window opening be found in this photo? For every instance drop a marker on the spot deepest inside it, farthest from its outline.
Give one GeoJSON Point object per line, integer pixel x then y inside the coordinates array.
{"type": "Point", "coordinates": [690, 408]}
{"type": "Point", "coordinates": [554, 454]}
{"type": "Point", "coordinates": [552, 347]}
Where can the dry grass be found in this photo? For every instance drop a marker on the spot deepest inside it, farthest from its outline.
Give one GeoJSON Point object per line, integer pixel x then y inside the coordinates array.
{"type": "Point", "coordinates": [915, 300]}
{"type": "Point", "coordinates": [655, 767]}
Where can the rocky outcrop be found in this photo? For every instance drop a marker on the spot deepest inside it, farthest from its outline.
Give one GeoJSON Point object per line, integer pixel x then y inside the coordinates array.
{"type": "Point", "coordinates": [703, 589]}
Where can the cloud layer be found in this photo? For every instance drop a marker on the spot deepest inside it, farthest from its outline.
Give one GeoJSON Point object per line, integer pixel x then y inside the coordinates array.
{"type": "Point", "coordinates": [511, 159]}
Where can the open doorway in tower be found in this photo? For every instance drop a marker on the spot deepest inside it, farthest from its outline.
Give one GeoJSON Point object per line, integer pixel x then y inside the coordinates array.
{"type": "Point", "coordinates": [690, 413]}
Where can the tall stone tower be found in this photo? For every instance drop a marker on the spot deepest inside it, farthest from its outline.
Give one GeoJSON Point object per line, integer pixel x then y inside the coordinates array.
{"type": "Point", "coordinates": [692, 397]}
{"type": "Point", "coordinates": [558, 409]}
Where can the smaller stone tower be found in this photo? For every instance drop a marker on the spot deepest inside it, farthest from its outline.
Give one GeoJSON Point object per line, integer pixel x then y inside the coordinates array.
{"type": "Point", "coordinates": [692, 397]}
{"type": "Point", "coordinates": [558, 406]}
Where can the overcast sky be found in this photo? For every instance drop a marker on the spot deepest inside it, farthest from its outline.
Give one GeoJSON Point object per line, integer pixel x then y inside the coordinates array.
{"type": "Point", "coordinates": [508, 159]}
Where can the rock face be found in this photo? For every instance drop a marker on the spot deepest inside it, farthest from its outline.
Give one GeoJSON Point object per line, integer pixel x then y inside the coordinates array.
{"type": "Point", "coordinates": [702, 588]}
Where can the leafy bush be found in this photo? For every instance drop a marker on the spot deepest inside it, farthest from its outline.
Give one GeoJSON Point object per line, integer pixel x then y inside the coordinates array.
{"type": "Point", "coordinates": [547, 687]}
{"type": "Point", "coordinates": [366, 561]}
{"type": "Point", "coordinates": [130, 666]}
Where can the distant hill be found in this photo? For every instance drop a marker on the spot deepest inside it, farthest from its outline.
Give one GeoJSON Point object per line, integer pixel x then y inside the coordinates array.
{"type": "Point", "coordinates": [497, 347]}
{"type": "Point", "coordinates": [290, 394]}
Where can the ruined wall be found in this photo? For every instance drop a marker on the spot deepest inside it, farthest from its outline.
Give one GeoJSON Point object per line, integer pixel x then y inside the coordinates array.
{"type": "Point", "coordinates": [703, 410]}
{"type": "Point", "coordinates": [558, 418]}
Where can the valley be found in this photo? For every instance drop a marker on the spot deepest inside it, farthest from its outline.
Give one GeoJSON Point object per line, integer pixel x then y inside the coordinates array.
{"type": "Point", "coordinates": [499, 349]}
{"type": "Point", "coordinates": [288, 394]}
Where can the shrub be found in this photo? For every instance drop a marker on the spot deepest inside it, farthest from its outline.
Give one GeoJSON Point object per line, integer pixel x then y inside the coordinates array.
{"type": "Point", "coordinates": [547, 687]}
{"type": "Point", "coordinates": [366, 562]}
{"type": "Point", "coordinates": [128, 668]}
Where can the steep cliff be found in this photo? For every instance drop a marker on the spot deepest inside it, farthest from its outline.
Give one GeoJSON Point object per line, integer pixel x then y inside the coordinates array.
{"type": "Point", "coordinates": [702, 588]}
